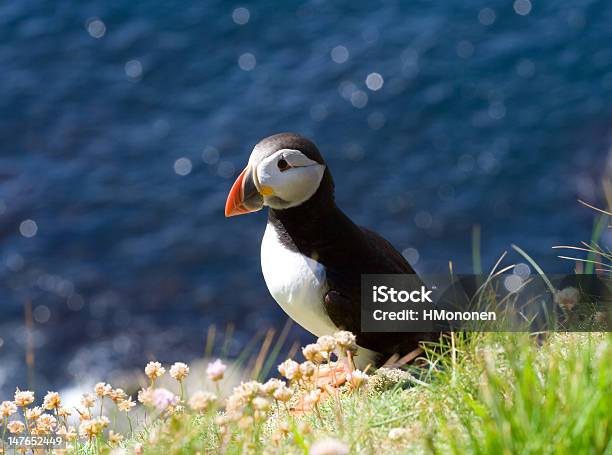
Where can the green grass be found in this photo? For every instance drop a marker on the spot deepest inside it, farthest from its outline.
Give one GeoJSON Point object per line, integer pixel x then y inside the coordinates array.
{"type": "Point", "coordinates": [473, 393]}
{"type": "Point", "coordinates": [481, 394]}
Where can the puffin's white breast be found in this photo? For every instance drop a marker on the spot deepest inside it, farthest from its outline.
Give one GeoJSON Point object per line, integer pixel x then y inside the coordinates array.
{"type": "Point", "coordinates": [296, 282]}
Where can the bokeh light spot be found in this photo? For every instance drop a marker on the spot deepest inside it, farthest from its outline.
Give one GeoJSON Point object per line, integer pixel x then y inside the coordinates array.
{"type": "Point", "coordinates": [522, 7]}
{"type": "Point", "coordinates": [247, 61]}
{"type": "Point", "coordinates": [339, 54]}
{"type": "Point", "coordinates": [370, 35]}
{"type": "Point", "coordinates": [225, 169]}
{"type": "Point", "coordinates": [522, 270]}
{"type": "Point", "coordinates": [497, 110]}
{"type": "Point", "coordinates": [486, 16]}
{"type": "Point", "coordinates": [423, 219]}
{"type": "Point", "coordinates": [465, 163]}
{"type": "Point", "coordinates": [15, 262]}
{"type": "Point", "coordinates": [465, 49]}
{"type": "Point", "coordinates": [354, 152]}
{"type": "Point", "coordinates": [241, 16]}
{"type": "Point", "coordinates": [133, 70]}
{"type": "Point", "coordinates": [28, 228]}
{"type": "Point", "coordinates": [41, 314]}
{"type": "Point", "coordinates": [95, 27]}
{"type": "Point", "coordinates": [487, 161]}
{"type": "Point", "coordinates": [412, 255]}
{"type": "Point", "coordinates": [75, 302]}
{"type": "Point", "coordinates": [346, 89]}
{"type": "Point", "coordinates": [359, 99]}
{"type": "Point", "coordinates": [525, 68]}
{"type": "Point", "coordinates": [513, 283]}
{"type": "Point", "coordinates": [376, 120]}
{"type": "Point", "coordinates": [183, 166]}
{"type": "Point", "coordinates": [374, 81]}
{"type": "Point", "coordinates": [210, 155]}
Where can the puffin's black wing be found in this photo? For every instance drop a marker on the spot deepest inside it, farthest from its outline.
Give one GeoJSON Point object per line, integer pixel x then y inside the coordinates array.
{"type": "Point", "coordinates": [343, 300]}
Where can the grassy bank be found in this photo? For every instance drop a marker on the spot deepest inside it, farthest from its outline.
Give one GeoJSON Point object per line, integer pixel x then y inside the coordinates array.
{"type": "Point", "coordinates": [482, 394]}
{"type": "Point", "coordinates": [494, 393]}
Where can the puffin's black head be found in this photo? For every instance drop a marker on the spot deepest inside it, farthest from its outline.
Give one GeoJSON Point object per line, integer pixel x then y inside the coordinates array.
{"type": "Point", "coordinates": [284, 171]}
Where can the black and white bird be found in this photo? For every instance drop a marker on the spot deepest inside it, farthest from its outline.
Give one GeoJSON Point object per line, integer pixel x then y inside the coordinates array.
{"type": "Point", "coordinates": [312, 254]}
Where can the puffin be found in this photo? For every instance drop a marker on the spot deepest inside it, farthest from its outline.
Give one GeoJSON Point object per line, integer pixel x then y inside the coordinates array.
{"type": "Point", "coordinates": [312, 254]}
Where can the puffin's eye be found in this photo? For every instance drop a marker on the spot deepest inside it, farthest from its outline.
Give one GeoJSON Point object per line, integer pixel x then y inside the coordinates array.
{"type": "Point", "coordinates": [283, 165]}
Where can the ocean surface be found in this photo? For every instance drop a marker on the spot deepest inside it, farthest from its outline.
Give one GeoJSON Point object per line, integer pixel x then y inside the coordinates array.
{"type": "Point", "coordinates": [124, 123]}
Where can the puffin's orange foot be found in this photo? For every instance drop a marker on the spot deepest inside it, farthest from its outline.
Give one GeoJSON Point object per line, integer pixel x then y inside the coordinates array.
{"type": "Point", "coordinates": [333, 375]}
{"type": "Point", "coordinates": [308, 401]}
{"type": "Point", "coordinates": [329, 378]}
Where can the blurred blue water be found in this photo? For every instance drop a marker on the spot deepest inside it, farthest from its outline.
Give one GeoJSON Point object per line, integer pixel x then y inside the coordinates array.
{"type": "Point", "coordinates": [486, 116]}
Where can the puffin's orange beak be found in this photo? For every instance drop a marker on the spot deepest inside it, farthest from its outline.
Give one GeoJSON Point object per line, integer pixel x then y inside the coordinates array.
{"type": "Point", "coordinates": [244, 196]}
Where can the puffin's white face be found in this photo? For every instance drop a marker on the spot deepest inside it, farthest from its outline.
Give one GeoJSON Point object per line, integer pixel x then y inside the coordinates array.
{"type": "Point", "coordinates": [287, 178]}
{"type": "Point", "coordinates": [282, 173]}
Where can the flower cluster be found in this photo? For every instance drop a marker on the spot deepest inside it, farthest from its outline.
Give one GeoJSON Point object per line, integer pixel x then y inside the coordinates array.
{"type": "Point", "coordinates": [248, 406]}
{"type": "Point", "coordinates": [343, 345]}
{"type": "Point", "coordinates": [33, 420]}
